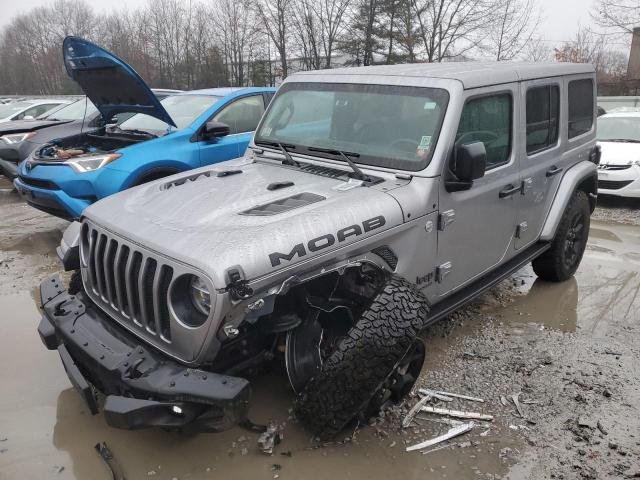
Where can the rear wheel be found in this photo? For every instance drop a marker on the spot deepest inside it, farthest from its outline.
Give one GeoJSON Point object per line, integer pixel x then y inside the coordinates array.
{"type": "Point", "coordinates": [373, 362]}
{"type": "Point", "coordinates": [561, 261]}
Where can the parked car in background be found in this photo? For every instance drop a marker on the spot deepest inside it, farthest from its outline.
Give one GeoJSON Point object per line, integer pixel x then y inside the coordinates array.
{"type": "Point", "coordinates": [28, 109]}
{"type": "Point", "coordinates": [181, 132]}
{"type": "Point", "coordinates": [21, 137]}
{"type": "Point", "coordinates": [619, 169]}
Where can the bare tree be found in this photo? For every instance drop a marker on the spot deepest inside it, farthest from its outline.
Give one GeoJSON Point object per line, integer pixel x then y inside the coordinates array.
{"type": "Point", "coordinates": [536, 50]}
{"type": "Point", "coordinates": [515, 24]}
{"type": "Point", "coordinates": [619, 15]}
{"type": "Point", "coordinates": [450, 28]}
{"type": "Point", "coordinates": [275, 16]}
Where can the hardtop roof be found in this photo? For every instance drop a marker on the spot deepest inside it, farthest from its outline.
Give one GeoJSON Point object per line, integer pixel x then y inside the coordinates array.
{"type": "Point", "coordinates": [470, 74]}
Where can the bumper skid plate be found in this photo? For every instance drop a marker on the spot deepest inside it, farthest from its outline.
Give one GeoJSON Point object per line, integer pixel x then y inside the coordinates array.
{"type": "Point", "coordinates": [143, 388]}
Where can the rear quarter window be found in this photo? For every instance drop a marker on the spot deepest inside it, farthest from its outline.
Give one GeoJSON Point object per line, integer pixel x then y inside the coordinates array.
{"type": "Point", "coordinates": [581, 107]}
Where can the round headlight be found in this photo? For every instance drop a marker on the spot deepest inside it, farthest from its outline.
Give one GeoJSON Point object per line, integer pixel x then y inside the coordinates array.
{"type": "Point", "coordinates": [200, 295]}
{"type": "Point", "coordinates": [190, 300]}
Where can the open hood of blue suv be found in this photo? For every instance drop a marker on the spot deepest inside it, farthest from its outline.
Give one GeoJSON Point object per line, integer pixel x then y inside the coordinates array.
{"type": "Point", "coordinates": [112, 85]}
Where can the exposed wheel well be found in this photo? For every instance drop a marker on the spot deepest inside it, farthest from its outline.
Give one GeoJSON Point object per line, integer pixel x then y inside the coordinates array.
{"type": "Point", "coordinates": [590, 186]}
{"type": "Point", "coordinates": [154, 174]}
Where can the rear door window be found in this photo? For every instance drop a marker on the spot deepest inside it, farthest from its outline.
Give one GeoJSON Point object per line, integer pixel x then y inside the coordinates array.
{"type": "Point", "coordinates": [581, 107]}
{"type": "Point", "coordinates": [488, 120]}
{"type": "Point", "coordinates": [543, 110]}
{"type": "Point", "coordinates": [243, 115]}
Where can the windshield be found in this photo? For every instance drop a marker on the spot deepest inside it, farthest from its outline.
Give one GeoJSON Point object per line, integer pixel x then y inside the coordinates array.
{"type": "Point", "coordinates": [387, 126]}
{"type": "Point", "coordinates": [183, 109]}
{"type": "Point", "coordinates": [619, 129]}
{"type": "Point", "coordinates": [10, 109]}
{"type": "Point", "coordinates": [73, 111]}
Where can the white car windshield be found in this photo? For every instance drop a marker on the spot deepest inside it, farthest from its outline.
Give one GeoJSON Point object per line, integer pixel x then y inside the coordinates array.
{"type": "Point", "coordinates": [387, 126]}
{"type": "Point", "coordinates": [74, 111]}
{"type": "Point", "coordinates": [11, 109]}
{"type": "Point", "coordinates": [619, 129]}
{"type": "Point", "coordinates": [183, 109]}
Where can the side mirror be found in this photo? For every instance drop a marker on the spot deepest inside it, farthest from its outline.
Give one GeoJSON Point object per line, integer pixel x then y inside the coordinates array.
{"type": "Point", "coordinates": [215, 129]}
{"type": "Point", "coordinates": [469, 164]}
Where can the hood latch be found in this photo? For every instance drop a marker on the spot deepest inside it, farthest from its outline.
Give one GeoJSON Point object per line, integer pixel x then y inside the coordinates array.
{"type": "Point", "coordinates": [238, 287]}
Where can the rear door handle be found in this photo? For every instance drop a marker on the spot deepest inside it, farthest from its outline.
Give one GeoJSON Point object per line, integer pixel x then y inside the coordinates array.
{"type": "Point", "coordinates": [510, 190]}
{"type": "Point", "coordinates": [553, 171]}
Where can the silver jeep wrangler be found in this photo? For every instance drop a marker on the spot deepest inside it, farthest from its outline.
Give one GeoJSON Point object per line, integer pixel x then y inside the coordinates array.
{"type": "Point", "coordinates": [371, 203]}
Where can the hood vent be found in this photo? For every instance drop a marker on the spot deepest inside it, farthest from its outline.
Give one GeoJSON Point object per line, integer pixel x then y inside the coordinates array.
{"type": "Point", "coordinates": [284, 204]}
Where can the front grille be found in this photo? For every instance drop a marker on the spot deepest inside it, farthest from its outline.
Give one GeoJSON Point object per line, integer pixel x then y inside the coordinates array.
{"type": "Point", "coordinates": [613, 184]}
{"type": "Point", "coordinates": [127, 282]}
{"type": "Point", "coordinates": [34, 182]}
{"type": "Point", "coordinates": [604, 166]}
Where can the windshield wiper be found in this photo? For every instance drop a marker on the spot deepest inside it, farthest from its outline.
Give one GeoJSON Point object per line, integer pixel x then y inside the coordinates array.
{"type": "Point", "coordinates": [288, 159]}
{"type": "Point", "coordinates": [359, 174]}
{"type": "Point", "coordinates": [134, 131]}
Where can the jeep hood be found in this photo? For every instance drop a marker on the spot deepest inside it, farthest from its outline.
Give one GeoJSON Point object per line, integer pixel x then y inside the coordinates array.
{"type": "Point", "coordinates": [110, 83]}
{"type": "Point", "coordinates": [218, 222]}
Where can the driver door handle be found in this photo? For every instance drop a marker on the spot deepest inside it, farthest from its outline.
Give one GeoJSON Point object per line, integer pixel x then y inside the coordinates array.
{"type": "Point", "coordinates": [553, 171]}
{"type": "Point", "coordinates": [510, 190]}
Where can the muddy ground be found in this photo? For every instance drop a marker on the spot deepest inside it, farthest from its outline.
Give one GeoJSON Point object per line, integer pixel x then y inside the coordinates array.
{"type": "Point", "coordinates": [571, 350]}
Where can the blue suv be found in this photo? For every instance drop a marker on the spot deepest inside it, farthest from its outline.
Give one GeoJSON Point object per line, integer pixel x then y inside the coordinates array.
{"type": "Point", "coordinates": [181, 132]}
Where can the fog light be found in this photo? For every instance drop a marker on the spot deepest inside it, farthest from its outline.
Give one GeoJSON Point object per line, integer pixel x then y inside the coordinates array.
{"type": "Point", "coordinates": [177, 410]}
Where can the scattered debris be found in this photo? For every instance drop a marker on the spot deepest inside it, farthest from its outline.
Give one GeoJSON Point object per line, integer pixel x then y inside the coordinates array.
{"type": "Point", "coordinates": [453, 432]}
{"type": "Point", "coordinates": [517, 404]}
{"type": "Point", "coordinates": [433, 394]}
{"type": "Point", "coordinates": [450, 395]}
{"type": "Point", "coordinates": [504, 401]}
{"type": "Point", "coordinates": [58, 469]}
{"type": "Point", "coordinates": [270, 438]}
{"type": "Point", "coordinates": [586, 422]}
{"type": "Point", "coordinates": [414, 410]}
{"type": "Point", "coordinates": [601, 428]}
{"type": "Point", "coordinates": [611, 352]}
{"type": "Point", "coordinates": [110, 461]}
{"type": "Point", "coordinates": [457, 413]}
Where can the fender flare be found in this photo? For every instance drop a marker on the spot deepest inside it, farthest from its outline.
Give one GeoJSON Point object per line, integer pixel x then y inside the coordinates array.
{"type": "Point", "coordinates": [583, 176]}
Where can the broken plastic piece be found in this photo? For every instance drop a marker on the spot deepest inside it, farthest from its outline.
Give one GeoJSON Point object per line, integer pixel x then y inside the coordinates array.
{"type": "Point", "coordinates": [434, 394]}
{"type": "Point", "coordinates": [457, 413]}
{"type": "Point", "coordinates": [110, 461]}
{"type": "Point", "coordinates": [453, 432]}
{"type": "Point", "coordinates": [455, 395]}
{"type": "Point", "coordinates": [517, 404]}
{"type": "Point", "coordinates": [415, 409]}
{"type": "Point", "coordinates": [270, 438]}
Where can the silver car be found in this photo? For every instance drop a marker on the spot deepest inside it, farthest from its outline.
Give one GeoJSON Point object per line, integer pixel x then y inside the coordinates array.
{"type": "Point", "coordinates": [371, 203]}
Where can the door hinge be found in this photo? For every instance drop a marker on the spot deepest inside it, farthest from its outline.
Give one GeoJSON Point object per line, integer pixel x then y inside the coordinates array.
{"type": "Point", "coordinates": [521, 229]}
{"type": "Point", "coordinates": [446, 218]}
{"type": "Point", "coordinates": [442, 271]}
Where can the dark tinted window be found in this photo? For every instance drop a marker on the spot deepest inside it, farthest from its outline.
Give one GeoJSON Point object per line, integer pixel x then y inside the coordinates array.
{"type": "Point", "coordinates": [488, 120]}
{"type": "Point", "coordinates": [580, 107]}
{"type": "Point", "coordinates": [243, 114]}
{"type": "Point", "coordinates": [543, 109]}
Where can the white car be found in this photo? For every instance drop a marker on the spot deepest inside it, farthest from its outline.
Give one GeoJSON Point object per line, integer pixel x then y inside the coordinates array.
{"type": "Point", "coordinates": [29, 109]}
{"type": "Point", "coordinates": [619, 139]}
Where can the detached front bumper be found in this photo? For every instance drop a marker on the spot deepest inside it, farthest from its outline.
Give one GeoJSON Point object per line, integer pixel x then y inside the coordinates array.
{"type": "Point", "coordinates": [143, 388]}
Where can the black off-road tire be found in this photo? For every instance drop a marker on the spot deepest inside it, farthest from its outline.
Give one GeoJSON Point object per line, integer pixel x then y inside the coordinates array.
{"type": "Point", "coordinates": [558, 263]}
{"type": "Point", "coordinates": [363, 359]}
{"type": "Point", "coordinates": [75, 283]}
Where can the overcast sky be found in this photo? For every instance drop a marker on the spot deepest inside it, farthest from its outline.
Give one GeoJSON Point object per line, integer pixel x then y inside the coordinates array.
{"type": "Point", "coordinates": [561, 17]}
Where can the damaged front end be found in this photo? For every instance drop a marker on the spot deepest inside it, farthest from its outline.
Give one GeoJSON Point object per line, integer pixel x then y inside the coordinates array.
{"type": "Point", "coordinates": [135, 386]}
